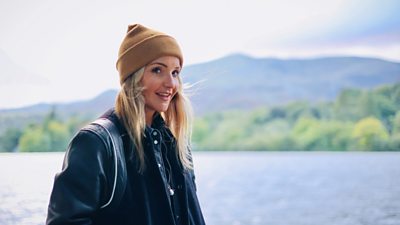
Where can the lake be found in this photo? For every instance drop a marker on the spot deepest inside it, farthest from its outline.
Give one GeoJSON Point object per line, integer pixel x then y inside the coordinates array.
{"type": "Point", "coordinates": [243, 188]}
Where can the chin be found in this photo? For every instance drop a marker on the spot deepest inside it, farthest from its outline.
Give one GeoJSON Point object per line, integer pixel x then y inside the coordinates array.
{"type": "Point", "coordinates": [162, 110]}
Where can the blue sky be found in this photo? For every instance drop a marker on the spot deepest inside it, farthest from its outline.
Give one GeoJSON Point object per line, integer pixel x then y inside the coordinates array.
{"type": "Point", "coordinates": [67, 49]}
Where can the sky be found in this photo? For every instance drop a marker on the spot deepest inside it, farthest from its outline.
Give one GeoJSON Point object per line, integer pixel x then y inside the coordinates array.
{"type": "Point", "coordinates": [61, 51]}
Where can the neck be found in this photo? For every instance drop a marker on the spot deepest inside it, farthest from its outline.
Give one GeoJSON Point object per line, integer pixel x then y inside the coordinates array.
{"type": "Point", "coordinates": [149, 117]}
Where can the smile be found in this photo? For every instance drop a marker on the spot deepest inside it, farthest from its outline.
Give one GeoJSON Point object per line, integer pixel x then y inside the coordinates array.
{"type": "Point", "coordinates": [164, 95]}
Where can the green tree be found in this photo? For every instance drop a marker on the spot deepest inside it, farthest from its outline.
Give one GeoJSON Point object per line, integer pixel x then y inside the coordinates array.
{"type": "Point", "coordinates": [59, 135]}
{"type": "Point", "coordinates": [313, 134]}
{"type": "Point", "coordinates": [74, 123]}
{"type": "Point", "coordinates": [379, 106]}
{"type": "Point", "coordinates": [9, 140]}
{"type": "Point", "coordinates": [51, 135]}
{"type": "Point", "coordinates": [396, 123]}
{"type": "Point", "coordinates": [347, 105]}
{"type": "Point", "coordinates": [295, 110]}
{"type": "Point", "coordinates": [394, 143]}
{"type": "Point", "coordinates": [201, 130]}
{"type": "Point", "coordinates": [369, 134]}
{"type": "Point", "coordinates": [274, 135]}
{"type": "Point", "coordinates": [34, 139]}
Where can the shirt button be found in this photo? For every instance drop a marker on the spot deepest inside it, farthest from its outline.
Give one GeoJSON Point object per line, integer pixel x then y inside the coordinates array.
{"type": "Point", "coordinates": [159, 165]}
{"type": "Point", "coordinates": [155, 142]}
{"type": "Point", "coordinates": [155, 133]}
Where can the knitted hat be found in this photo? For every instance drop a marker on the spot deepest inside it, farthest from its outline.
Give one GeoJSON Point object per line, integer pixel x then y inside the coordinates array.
{"type": "Point", "coordinates": [142, 45]}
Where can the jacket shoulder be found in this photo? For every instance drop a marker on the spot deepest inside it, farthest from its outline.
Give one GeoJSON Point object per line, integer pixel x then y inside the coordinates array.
{"type": "Point", "coordinates": [79, 188]}
{"type": "Point", "coordinates": [109, 133]}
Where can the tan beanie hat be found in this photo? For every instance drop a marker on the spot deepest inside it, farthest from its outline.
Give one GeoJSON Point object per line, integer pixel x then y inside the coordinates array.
{"type": "Point", "coordinates": [142, 45]}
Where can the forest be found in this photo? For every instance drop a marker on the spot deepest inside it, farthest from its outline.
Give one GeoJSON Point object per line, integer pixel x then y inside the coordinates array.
{"type": "Point", "coordinates": [357, 120]}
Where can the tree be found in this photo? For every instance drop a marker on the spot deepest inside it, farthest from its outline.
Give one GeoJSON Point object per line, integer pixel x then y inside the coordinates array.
{"type": "Point", "coordinates": [59, 135]}
{"type": "Point", "coordinates": [347, 105]}
{"type": "Point", "coordinates": [394, 143]}
{"type": "Point", "coordinates": [34, 139]}
{"type": "Point", "coordinates": [51, 135]}
{"type": "Point", "coordinates": [312, 134]}
{"type": "Point", "coordinates": [396, 124]}
{"type": "Point", "coordinates": [9, 140]}
{"type": "Point", "coordinates": [369, 134]}
{"type": "Point", "coordinates": [201, 131]}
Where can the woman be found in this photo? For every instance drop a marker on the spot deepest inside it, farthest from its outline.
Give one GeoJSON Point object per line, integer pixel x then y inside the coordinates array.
{"type": "Point", "coordinates": [133, 165]}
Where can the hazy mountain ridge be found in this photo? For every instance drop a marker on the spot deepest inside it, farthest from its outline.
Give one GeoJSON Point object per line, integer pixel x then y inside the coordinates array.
{"type": "Point", "coordinates": [87, 107]}
{"type": "Point", "coordinates": [239, 81]}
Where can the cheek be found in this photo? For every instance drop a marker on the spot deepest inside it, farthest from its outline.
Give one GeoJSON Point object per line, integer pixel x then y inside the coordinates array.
{"type": "Point", "coordinates": [177, 85]}
{"type": "Point", "coordinates": [145, 94]}
{"type": "Point", "coordinates": [149, 85]}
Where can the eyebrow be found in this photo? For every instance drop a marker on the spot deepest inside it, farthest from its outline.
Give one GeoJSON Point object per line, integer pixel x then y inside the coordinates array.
{"type": "Point", "coordinates": [164, 65]}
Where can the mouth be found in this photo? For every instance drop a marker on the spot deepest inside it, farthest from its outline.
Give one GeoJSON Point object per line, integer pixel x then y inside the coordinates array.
{"type": "Point", "coordinates": [165, 96]}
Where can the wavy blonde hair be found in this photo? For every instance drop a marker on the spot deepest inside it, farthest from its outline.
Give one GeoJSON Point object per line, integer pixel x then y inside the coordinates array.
{"type": "Point", "coordinates": [130, 108]}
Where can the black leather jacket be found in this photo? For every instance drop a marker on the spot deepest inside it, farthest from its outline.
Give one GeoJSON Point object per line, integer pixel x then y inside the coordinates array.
{"type": "Point", "coordinates": [83, 186]}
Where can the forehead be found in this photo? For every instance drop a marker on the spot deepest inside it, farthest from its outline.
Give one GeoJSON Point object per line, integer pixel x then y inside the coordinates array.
{"type": "Point", "coordinates": [169, 61]}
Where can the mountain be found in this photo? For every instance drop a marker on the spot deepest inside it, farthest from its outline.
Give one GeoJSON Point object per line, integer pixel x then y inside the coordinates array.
{"type": "Point", "coordinates": [88, 107]}
{"type": "Point", "coordinates": [242, 82]}
{"type": "Point", "coordinates": [239, 81]}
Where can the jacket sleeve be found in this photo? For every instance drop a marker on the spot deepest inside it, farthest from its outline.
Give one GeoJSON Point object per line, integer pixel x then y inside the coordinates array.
{"type": "Point", "coordinates": [78, 188]}
{"type": "Point", "coordinates": [191, 171]}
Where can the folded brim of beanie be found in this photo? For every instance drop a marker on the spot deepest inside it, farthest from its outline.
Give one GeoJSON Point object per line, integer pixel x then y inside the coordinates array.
{"type": "Point", "coordinates": [146, 51]}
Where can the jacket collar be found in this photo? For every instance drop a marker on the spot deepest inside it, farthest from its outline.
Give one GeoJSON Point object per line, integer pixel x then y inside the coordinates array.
{"type": "Point", "coordinates": [111, 115]}
{"type": "Point", "coordinates": [158, 122]}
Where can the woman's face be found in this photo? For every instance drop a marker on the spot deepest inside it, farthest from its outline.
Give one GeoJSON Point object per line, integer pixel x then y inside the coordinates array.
{"type": "Point", "coordinates": [160, 81]}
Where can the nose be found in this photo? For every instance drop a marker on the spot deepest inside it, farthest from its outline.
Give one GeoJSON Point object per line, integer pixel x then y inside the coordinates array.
{"type": "Point", "coordinates": [170, 81]}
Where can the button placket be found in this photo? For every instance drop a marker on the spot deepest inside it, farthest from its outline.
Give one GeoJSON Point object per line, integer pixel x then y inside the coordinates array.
{"type": "Point", "coordinates": [156, 148]}
{"type": "Point", "coordinates": [156, 138]}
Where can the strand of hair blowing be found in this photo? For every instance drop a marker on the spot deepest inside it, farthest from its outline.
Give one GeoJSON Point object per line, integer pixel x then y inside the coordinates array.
{"type": "Point", "coordinates": [130, 106]}
{"type": "Point", "coordinates": [179, 119]}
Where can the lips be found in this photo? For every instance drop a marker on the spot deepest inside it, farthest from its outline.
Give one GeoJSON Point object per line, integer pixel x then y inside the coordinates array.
{"type": "Point", "coordinates": [165, 96]}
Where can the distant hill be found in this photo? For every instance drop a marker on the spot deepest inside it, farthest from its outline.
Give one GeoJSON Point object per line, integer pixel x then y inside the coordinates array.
{"type": "Point", "coordinates": [85, 107]}
{"type": "Point", "coordinates": [89, 109]}
{"type": "Point", "coordinates": [239, 81]}
{"type": "Point", "coordinates": [242, 82]}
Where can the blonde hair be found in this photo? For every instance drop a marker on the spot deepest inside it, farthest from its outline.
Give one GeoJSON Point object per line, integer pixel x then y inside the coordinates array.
{"type": "Point", "coordinates": [130, 108]}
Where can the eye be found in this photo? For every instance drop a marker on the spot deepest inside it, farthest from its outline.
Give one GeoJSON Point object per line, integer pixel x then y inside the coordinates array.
{"type": "Point", "coordinates": [175, 73]}
{"type": "Point", "coordinates": [156, 70]}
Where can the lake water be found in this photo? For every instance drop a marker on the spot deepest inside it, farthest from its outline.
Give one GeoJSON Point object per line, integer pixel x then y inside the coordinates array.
{"type": "Point", "coordinates": [243, 188]}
